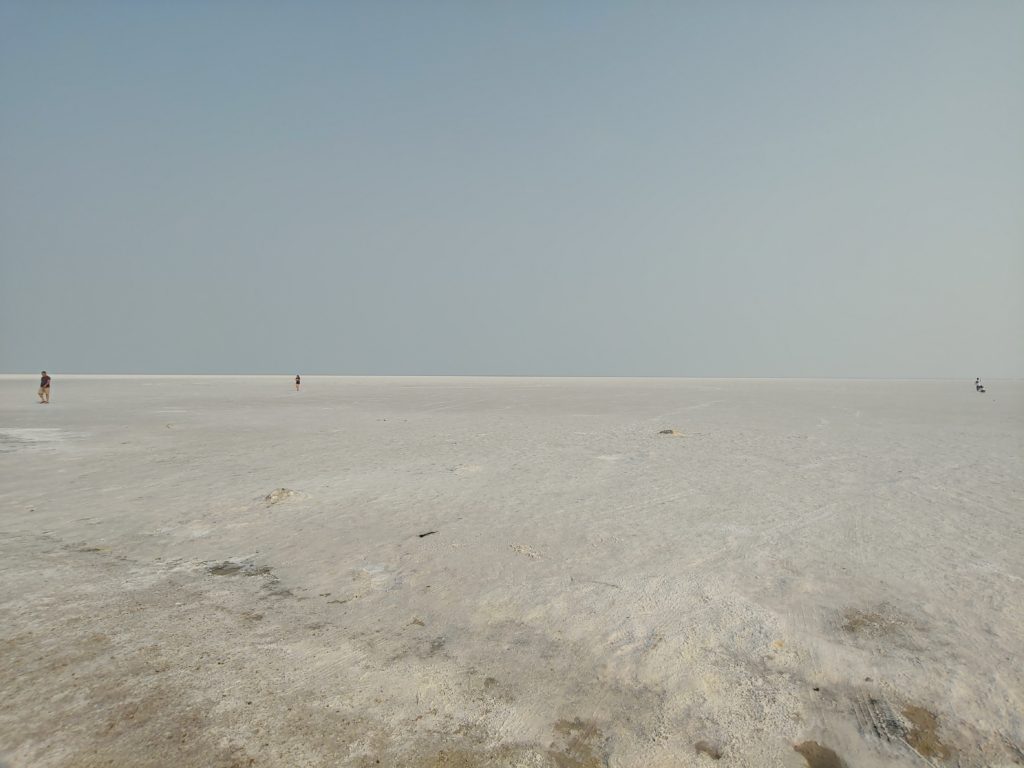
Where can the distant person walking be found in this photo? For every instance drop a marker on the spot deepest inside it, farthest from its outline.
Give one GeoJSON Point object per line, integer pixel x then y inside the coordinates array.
{"type": "Point", "coordinates": [44, 388]}
{"type": "Point", "coordinates": [298, 382]}
{"type": "Point", "coordinates": [978, 386]}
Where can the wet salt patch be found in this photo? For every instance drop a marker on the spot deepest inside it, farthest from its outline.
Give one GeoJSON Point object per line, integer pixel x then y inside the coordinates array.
{"type": "Point", "coordinates": [32, 434]}
{"type": "Point", "coordinates": [19, 439]}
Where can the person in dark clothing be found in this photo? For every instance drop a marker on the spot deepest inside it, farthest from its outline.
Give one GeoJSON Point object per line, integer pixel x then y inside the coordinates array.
{"type": "Point", "coordinates": [44, 388]}
{"type": "Point", "coordinates": [298, 382]}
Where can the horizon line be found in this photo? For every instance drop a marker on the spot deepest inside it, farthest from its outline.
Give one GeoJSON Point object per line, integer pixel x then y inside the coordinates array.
{"type": "Point", "coordinates": [509, 376]}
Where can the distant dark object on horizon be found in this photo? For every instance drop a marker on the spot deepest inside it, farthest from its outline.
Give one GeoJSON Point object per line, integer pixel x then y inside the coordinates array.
{"type": "Point", "coordinates": [978, 386]}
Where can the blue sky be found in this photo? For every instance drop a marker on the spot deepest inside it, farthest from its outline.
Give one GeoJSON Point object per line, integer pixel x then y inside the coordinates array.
{"type": "Point", "coordinates": [563, 188]}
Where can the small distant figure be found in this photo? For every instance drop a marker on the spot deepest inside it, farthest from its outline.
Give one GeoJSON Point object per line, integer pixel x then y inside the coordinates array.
{"type": "Point", "coordinates": [978, 386]}
{"type": "Point", "coordinates": [44, 388]}
{"type": "Point", "coordinates": [298, 382]}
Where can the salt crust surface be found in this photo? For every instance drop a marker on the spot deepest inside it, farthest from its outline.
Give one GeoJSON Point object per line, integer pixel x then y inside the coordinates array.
{"type": "Point", "coordinates": [220, 571]}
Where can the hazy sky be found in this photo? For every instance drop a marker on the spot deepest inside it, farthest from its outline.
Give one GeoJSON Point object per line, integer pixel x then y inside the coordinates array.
{"type": "Point", "coordinates": [581, 188]}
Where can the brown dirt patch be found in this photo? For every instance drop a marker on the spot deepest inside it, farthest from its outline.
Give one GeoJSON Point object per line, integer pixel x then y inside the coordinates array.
{"type": "Point", "coordinates": [709, 749]}
{"type": "Point", "coordinates": [923, 735]}
{"type": "Point", "coordinates": [818, 756]}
